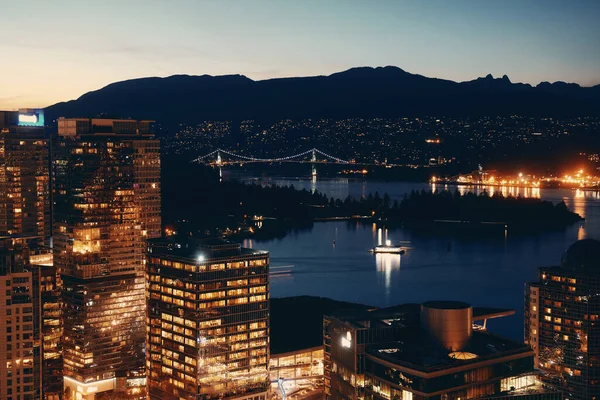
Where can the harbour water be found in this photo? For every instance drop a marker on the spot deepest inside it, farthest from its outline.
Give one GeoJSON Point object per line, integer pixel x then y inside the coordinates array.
{"type": "Point", "coordinates": [332, 259]}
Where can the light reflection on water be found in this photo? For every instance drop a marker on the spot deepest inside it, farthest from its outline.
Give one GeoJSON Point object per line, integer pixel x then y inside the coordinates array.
{"type": "Point", "coordinates": [514, 191]}
{"type": "Point", "coordinates": [484, 270]}
{"type": "Point", "coordinates": [386, 263]}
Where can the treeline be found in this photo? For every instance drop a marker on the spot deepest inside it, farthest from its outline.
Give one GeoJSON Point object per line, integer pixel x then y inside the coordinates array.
{"type": "Point", "coordinates": [425, 206]}
{"type": "Point", "coordinates": [200, 200]}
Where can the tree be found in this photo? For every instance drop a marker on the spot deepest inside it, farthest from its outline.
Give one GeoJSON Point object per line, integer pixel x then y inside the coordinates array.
{"type": "Point", "coordinates": [386, 201]}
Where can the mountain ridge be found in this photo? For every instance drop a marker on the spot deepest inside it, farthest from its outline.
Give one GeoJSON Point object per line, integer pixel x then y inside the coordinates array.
{"type": "Point", "coordinates": [357, 92]}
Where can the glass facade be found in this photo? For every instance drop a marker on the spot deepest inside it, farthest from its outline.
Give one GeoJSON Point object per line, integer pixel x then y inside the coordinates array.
{"type": "Point", "coordinates": [474, 380]}
{"type": "Point", "coordinates": [207, 322]}
{"type": "Point", "coordinates": [345, 350]}
{"type": "Point", "coordinates": [563, 328]}
{"type": "Point", "coordinates": [24, 179]}
{"type": "Point", "coordinates": [106, 185]}
{"type": "Point", "coordinates": [51, 327]}
{"type": "Point", "coordinates": [300, 370]}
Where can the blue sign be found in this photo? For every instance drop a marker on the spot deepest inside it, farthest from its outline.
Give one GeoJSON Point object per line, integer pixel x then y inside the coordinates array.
{"type": "Point", "coordinates": [31, 117]}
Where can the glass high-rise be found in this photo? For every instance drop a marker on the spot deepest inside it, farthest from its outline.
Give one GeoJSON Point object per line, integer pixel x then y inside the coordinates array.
{"type": "Point", "coordinates": [25, 228]}
{"type": "Point", "coordinates": [562, 321]}
{"type": "Point", "coordinates": [106, 185]}
{"type": "Point", "coordinates": [208, 321]}
{"type": "Point", "coordinates": [24, 177]}
{"type": "Point", "coordinates": [50, 326]}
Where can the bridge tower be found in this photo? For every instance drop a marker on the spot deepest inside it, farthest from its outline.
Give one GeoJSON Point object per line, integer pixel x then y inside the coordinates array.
{"type": "Point", "coordinates": [220, 165]}
{"type": "Point", "coordinates": [314, 165]}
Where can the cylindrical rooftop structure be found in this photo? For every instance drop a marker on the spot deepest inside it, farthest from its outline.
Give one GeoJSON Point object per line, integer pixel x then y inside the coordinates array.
{"type": "Point", "coordinates": [448, 322]}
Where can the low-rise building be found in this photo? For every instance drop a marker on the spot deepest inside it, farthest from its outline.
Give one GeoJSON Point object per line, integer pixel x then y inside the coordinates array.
{"type": "Point", "coordinates": [431, 351]}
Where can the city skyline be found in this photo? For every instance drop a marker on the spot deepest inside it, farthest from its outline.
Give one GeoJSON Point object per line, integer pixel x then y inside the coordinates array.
{"type": "Point", "coordinates": [301, 200]}
{"type": "Point", "coordinates": [528, 41]}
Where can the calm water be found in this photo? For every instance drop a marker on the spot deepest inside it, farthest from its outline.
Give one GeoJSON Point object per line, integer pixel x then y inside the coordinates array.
{"type": "Point", "coordinates": [487, 270]}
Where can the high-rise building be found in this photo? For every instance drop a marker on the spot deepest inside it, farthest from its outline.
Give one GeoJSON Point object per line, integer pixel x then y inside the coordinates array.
{"type": "Point", "coordinates": [562, 321]}
{"type": "Point", "coordinates": [20, 365]}
{"type": "Point", "coordinates": [24, 177]}
{"type": "Point", "coordinates": [431, 351]}
{"type": "Point", "coordinates": [106, 186]}
{"type": "Point", "coordinates": [25, 227]}
{"type": "Point", "coordinates": [208, 321]}
{"type": "Point", "coordinates": [50, 325]}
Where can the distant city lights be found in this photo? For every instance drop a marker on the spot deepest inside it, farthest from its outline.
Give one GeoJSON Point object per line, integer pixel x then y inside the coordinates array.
{"type": "Point", "coordinates": [577, 180]}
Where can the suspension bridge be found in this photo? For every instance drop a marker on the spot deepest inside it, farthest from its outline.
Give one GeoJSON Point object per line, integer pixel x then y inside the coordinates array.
{"type": "Point", "coordinates": [221, 158]}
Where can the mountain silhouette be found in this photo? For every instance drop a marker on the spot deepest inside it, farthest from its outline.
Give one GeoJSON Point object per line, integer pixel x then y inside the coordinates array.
{"type": "Point", "coordinates": [357, 92]}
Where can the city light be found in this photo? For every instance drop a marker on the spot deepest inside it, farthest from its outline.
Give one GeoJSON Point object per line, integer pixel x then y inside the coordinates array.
{"type": "Point", "coordinates": [577, 179]}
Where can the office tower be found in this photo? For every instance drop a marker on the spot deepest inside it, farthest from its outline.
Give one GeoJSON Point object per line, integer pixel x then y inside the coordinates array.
{"type": "Point", "coordinates": [208, 321]}
{"type": "Point", "coordinates": [20, 372]}
{"type": "Point", "coordinates": [562, 321]}
{"type": "Point", "coordinates": [106, 204]}
{"type": "Point", "coordinates": [24, 228]}
{"type": "Point", "coordinates": [24, 177]}
{"type": "Point", "coordinates": [50, 323]}
{"type": "Point", "coordinates": [428, 351]}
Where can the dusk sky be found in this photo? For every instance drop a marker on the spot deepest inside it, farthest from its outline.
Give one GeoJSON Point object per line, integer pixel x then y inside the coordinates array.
{"type": "Point", "coordinates": [57, 50]}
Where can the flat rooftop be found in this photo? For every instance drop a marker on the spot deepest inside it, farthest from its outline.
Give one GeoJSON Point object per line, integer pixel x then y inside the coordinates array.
{"type": "Point", "coordinates": [400, 315]}
{"type": "Point", "coordinates": [200, 250]}
{"type": "Point", "coordinates": [419, 351]}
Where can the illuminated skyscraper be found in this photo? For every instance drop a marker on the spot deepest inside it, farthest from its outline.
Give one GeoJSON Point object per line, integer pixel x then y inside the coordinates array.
{"type": "Point", "coordinates": [20, 366]}
{"type": "Point", "coordinates": [208, 321]}
{"type": "Point", "coordinates": [106, 205]}
{"type": "Point", "coordinates": [24, 227]}
{"type": "Point", "coordinates": [562, 321]}
{"type": "Point", "coordinates": [49, 286]}
{"type": "Point", "coordinates": [24, 177]}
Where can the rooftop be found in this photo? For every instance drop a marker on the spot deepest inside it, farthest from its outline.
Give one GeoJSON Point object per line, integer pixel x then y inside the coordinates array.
{"type": "Point", "coordinates": [398, 315]}
{"type": "Point", "coordinates": [368, 316]}
{"type": "Point", "coordinates": [419, 351]}
{"type": "Point", "coordinates": [200, 250]}
{"type": "Point", "coordinates": [103, 126]}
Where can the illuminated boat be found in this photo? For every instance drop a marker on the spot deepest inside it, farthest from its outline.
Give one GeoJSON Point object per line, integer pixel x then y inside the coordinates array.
{"type": "Point", "coordinates": [388, 249]}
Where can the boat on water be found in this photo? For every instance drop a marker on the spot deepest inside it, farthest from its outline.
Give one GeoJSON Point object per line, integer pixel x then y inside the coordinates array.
{"type": "Point", "coordinates": [388, 249]}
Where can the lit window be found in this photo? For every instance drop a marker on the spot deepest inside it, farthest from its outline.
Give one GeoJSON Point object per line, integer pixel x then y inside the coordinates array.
{"type": "Point", "coordinates": [347, 340]}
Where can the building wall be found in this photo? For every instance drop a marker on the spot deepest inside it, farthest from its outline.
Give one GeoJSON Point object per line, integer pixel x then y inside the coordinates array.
{"type": "Point", "coordinates": [474, 380]}
{"type": "Point", "coordinates": [107, 203]}
{"type": "Point", "coordinates": [532, 310]}
{"type": "Point", "coordinates": [51, 331]}
{"type": "Point", "coordinates": [20, 374]}
{"type": "Point", "coordinates": [569, 331]}
{"type": "Point", "coordinates": [300, 370]}
{"type": "Point", "coordinates": [208, 327]}
{"type": "Point", "coordinates": [301, 364]}
{"type": "Point", "coordinates": [344, 362]}
{"type": "Point", "coordinates": [24, 183]}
